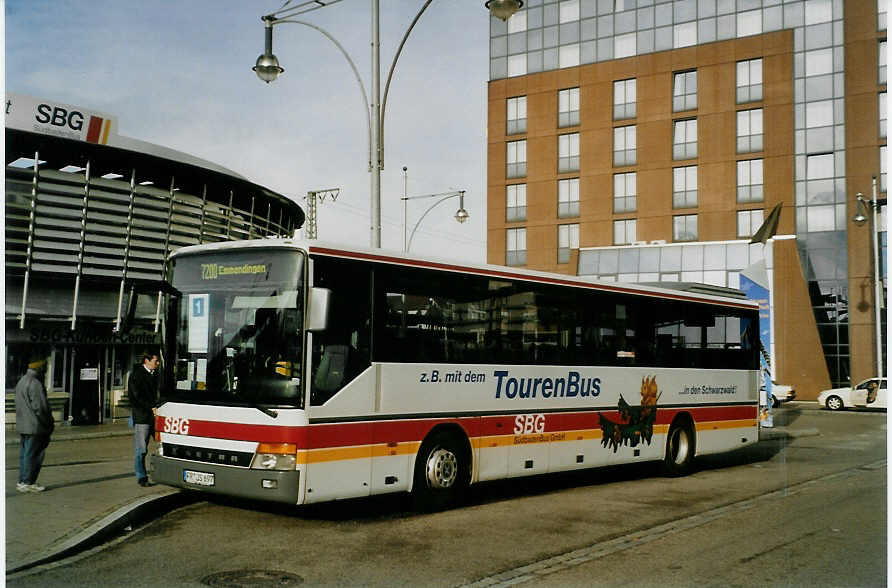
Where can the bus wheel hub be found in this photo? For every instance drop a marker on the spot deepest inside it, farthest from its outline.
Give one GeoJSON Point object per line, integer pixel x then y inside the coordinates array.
{"type": "Point", "coordinates": [442, 469]}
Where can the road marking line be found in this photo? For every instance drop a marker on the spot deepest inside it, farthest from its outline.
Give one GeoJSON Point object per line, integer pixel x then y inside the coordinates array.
{"type": "Point", "coordinates": [577, 557]}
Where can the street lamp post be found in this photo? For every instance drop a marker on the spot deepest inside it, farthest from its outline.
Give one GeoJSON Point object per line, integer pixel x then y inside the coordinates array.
{"type": "Point", "coordinates": [268, 69]}
{"type": "Point", "coordinates": [461, 215]}
{"type": "Point", "coordinates": [859, 219]}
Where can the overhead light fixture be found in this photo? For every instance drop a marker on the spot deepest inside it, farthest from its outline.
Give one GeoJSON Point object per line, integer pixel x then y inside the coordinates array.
{"type": "Point", "coordinates": [267, 67]}
{"type": "Point", "coordinates": [503, 9]}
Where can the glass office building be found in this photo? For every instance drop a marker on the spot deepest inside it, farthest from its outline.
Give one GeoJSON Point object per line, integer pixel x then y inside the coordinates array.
{"type": "Point", "coordinates": [649, 140]}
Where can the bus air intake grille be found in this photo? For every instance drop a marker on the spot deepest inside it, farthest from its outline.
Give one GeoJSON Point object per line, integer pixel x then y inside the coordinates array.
{"type": "Point", "coordinates": [218, 456]}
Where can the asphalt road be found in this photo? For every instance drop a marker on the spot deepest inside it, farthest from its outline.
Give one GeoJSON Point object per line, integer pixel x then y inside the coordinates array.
{"type": "Point", "coordinates": [804, 508]}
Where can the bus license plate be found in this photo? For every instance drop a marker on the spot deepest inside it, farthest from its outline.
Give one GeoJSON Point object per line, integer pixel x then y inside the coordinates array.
{"type": "Point", "coordinates": [198, 478]}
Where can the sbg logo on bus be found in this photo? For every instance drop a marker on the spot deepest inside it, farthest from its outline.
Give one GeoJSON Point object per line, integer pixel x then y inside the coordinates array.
{"type": "Point", "coordinates": [176, 425]}
{"type": "Point", "coordinates": [526, 424]}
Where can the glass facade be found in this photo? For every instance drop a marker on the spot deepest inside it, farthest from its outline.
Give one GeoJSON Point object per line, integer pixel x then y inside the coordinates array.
{"type": "Point", "coordinates": [718, 263]}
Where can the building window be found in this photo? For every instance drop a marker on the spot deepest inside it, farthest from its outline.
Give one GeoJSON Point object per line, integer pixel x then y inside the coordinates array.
{"type": "Point", "coordinates": [624, 146]}
{"type": "Point", "coordinates": [882, 168]}
{"type": "Point", "coordinates": [568, 152]}
{"type": "Point", "coordinates": [882, 62]}
{"type": "Point", "coordinates": [517, 65]}
{"type": "Point", "coordinates": [818, 62]}
{"type": "Point", "coordinates": [624, 99]}
{"type": "Point", "coordinates": [569, 11]}
{"type": "Point", "coordinates": [684, 139]}
{"type": "Point", "coordinates": [517, 159]}
{"type": "Point", "coordinates": [684, 187]}
{"type": "Point", "coordinates": [749, 130]}
{"type": "Point", "coordinates": [684, 227]}
{"type": "Point", "coordinates": [516, 202]}
{"type": "Point", "coordinates": [881, 14]}
{"type": "Point", "coordinates": [685, 34]}
{"type": "Point", "coordinates": [748, 222]}
{"type": "Point", "coordinates": [625, 192]}
{"type": "Point", "coordinates": [568, 107]}
{"type": "Point", "coordinates": [568, 198]}
{"type": "Point", "coordinates": [517, 115]}
{"type": "Point", "coordinates": [518, 22]}
{"type": "Point", "coordinates": [625, 45]}
{"type": "Point", "coordinates": [749, 81]}
{"type": "Point", "coordinates": [882, 109]}
{"type": "Point", "coordinates": [749, 181]}
{"type": "Point", "coordinates": [568, 238]}
{"type": "Point", "coordinates": [819, 185]}
{"type": "Point", "coordinates": [516, 247]}
{"type": "Point", "coordinates": [624, 231]}
{"type": "Point", "coordinates": [684, 91]}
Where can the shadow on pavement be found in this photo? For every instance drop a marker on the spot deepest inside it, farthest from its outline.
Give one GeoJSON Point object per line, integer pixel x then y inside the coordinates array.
{"type": "Point", "coordinates": [400, 505]}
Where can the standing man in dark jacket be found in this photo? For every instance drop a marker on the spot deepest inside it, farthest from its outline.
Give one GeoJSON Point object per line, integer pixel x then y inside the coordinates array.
{"type": "Point", "coordinates": [142, 388]}
{"type": "Point", "coordinates": [34, 423]}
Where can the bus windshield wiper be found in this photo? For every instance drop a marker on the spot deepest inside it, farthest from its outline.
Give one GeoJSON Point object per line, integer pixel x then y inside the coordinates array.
{"type": "Point", "coordinates": [267, 411]}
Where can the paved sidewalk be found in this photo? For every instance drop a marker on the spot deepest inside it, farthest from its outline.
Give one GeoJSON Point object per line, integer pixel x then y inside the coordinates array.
{"type": "Point", "coordinates": [91, 494]}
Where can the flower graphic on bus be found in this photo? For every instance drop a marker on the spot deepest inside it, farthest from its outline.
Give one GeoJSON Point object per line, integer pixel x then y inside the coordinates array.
{"type": "Point", "coordinates": [636, 423]}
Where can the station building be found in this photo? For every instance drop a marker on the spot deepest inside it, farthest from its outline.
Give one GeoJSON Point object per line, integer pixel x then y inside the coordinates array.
{"type": "Point", "coordinates": [647, 140]}
{"type": "Point", "coordinates": [91, 217]}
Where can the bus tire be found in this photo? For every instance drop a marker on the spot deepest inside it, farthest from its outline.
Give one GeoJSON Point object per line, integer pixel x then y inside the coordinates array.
{"type": "Point", "coordinates": [681, 445]}
{"type": "Point", "coordinates": [442, 472]}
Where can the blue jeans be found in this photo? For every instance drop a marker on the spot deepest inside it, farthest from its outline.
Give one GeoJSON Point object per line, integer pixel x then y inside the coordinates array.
{"type": "Point", "coordinates": [141, 436]}
{"type": "Point", "coordinates": [31, 453]}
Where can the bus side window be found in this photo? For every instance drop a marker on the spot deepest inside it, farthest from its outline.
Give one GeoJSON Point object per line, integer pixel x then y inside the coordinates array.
{"type": "Point", "coordinates": [341, 351]}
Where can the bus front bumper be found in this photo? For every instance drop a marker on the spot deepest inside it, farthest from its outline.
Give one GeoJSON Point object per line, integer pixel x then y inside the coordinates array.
{"type": "Point", "coordinates": [269, 485]}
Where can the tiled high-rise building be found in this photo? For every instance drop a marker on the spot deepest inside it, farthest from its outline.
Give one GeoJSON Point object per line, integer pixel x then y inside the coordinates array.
{"type": "Point", "coordinates": [646, 141]}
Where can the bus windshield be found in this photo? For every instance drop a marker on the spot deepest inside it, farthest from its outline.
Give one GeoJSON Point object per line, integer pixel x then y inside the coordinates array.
{"type": "Point", "coordinates": [235, 327]}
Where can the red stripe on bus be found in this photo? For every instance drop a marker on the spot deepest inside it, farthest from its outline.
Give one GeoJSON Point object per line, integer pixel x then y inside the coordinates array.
{"type": "Point", "coordinates": [94, 129]}
{"type": "Point", "coordinates": [517, 276]}
{"type": "Point", "coordinates": [400, 431]}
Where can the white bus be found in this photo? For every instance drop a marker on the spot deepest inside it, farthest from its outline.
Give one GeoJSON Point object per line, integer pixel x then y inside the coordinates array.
{"type": "Point", "coordinates": [302, 372]}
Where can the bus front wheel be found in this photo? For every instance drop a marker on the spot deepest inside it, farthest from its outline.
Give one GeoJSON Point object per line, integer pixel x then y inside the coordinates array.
{"type": "Point", "coordinates": [441, 472]}
{"type": "Point", "coordinates": [680, 448]}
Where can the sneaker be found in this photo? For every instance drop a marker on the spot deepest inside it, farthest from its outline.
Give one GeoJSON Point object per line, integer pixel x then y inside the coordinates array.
{"type": "Point", "coordinates": [34, 488]}
{"type": "Point", "coordinates": [22, 487]}
{"type": "Point", "coordinates": [144, 482]}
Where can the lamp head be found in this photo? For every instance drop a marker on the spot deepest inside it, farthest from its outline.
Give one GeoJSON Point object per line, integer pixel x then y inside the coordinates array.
{"type": "Point", "coordinates": [860, 218]}
{"type": "Point", "coordinates": [461, 215]}
{"type": "Point", "coordinates": [267, 67]}
{"type": "Point", "coordinates": [503, 9]}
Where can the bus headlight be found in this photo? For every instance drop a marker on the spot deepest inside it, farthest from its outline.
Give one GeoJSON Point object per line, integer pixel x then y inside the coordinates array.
{"type": "Point", "coordinates": [275, 456]}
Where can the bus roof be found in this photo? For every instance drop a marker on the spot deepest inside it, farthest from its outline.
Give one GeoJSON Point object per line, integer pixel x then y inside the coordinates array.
{"type": "Point", "coordinates": [719, 296]}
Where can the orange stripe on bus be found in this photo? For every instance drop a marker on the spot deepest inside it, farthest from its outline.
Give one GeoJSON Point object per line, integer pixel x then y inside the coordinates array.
{"type": "Point", "coordinates": [411, 448]}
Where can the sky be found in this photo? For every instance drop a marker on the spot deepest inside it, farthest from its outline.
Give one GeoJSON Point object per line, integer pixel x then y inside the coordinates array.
{"type": "Point", "coordinates": [178, 74]}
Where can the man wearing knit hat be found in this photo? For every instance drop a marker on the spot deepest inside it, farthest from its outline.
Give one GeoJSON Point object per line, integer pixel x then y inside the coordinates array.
{"type": "Point", "coordinates": [34, 423]}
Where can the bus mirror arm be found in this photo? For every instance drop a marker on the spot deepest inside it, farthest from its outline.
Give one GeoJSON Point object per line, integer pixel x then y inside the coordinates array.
{"type": "Point", "coordinates": [317, 317]}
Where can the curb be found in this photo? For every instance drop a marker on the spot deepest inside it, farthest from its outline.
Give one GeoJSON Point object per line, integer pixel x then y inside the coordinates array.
{"type": "Point", "coordinates": [94, 534]}
{"type": "Point", "coordinates": [777, 433]}
{"type": "Point", "coordinates": [12, 438]}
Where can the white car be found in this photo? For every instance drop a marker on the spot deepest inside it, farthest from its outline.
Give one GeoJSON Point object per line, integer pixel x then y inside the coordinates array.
{"type": "Point", "coordinates": [781, 393]}
{"type": "Point", "coordinates": [871, 393]}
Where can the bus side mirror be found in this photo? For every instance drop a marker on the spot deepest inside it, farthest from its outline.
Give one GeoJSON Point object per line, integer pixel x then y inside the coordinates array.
{"type": "Point", "coordinates": [317, 318]}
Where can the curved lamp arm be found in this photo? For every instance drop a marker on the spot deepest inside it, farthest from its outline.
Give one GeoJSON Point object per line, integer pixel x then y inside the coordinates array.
{"type": "Point", "coordinates": [343, 51]}
{"type": "Point", "coordinates": [390, 76]}
{"type": "Point", "coordinates": [433, 206]}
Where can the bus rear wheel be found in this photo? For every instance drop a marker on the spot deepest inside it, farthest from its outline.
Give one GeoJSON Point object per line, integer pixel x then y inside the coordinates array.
{"type": "Point", "coordinates": [441, 473]}
{"type": "Point", "coordinates": [680, 448]}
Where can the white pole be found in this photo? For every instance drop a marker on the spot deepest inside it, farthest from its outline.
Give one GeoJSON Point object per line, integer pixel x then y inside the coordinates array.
{"type": "Point", "coordinates": [376, 130]}
{"type": "Point", "coordinates": [405, 201]}
{"type": "Point", "coordinates": [877, 285]}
